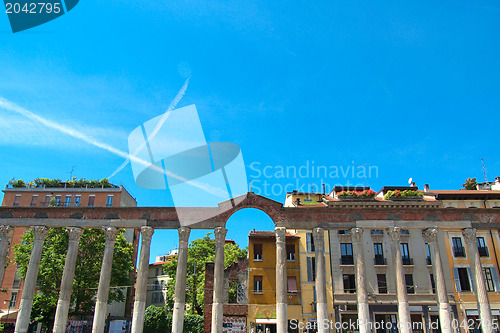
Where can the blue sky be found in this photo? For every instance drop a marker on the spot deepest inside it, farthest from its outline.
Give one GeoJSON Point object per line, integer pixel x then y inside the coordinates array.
{"type": "Point", "coordinates": [408, 87]}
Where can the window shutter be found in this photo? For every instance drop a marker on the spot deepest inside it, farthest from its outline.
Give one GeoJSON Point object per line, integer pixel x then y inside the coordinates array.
{"type": "Point", "coordinates": [472, 282]}
{"type": "Point", "coordinates": [494, 273]}
{"type": "Point", "coordinates": [308, 241]}
{"type": "Point", "coordinates": [309, 269]}
{"type": "Point", "coordinates": [457, 279]}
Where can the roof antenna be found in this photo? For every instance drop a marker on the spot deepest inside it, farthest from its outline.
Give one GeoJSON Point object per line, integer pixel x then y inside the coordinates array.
{"type": "Point", "coordinates": [484, 169]}
{"type": "Point", "coordinates": [71, 172]}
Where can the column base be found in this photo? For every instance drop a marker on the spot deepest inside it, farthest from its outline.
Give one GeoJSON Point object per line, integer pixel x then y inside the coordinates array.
{"type": "Point", "coordinates": [61, 316]}
{"type": "Point", "coordinates": [101, 309]}
{"type": "Point", "coordinates": [23, 317]}
{"type": "Point", "coordinates": [178, 318]}
{"type": "Point", "coordinates": [217, 314]}
{"type": "Point", "coordinates": [322, 318]}
{"type": "Point", "coordinates": [281, 318]}
{"type": "Point", "coordinates": [138, 317]}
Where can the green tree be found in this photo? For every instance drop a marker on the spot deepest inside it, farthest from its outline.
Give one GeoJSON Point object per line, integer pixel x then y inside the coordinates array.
{"type": "Point", "coordinates": [200, 251]}
{"type": "Point", "coordinates": [470, 184]}
{"type": "Point", "coordinates": [87, 271]}
{"type": "Point", "coordinates": [159, 320]}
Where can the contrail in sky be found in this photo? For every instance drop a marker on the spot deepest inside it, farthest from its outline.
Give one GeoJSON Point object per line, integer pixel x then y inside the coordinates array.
{"type": "Point", "coordinates": [7, 105]}
{"type": "Point", "coordinates": [164, 117]}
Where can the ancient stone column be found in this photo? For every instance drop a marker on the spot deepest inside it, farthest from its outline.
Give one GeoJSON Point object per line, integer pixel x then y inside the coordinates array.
{"type": "Point", "coordinates": [101, 305]}
{"type": "Point", "coordinates": [218, 300]}
{"type": "Point", "coordinates": [430, 237]}
{"type": "Point", "coordinates": [281, 281]}
{"type": "Point", "coordinates": [67, 280]}
{"type": "Point", "coordinates": [23, 317]}
{"type": "Point", "coordinates": [403, 305]}
{"type": "Point", "coordinates": [321, 305]}
{"type": "Point", "coordinates": [141, 285]}
{"type": "Point", "coordinates": [361, 292]}
{"type": "Point", "coordinates": [483, 302]}
{"type": "Point", "coordinates": [5, 238]}
{"type": "Point", "coordinates": [180, 281]}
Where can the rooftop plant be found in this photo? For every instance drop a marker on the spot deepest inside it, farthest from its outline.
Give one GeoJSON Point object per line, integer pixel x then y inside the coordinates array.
{"type": "Point", "coordinates": [46, 182]}
{"type": "Point", "coordinates": [402, 194]}
{"type": "Point", "coordinates": [357, 194]}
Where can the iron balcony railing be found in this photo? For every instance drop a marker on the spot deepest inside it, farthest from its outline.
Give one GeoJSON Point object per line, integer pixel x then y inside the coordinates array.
{"type": "Point", "coordinates": [380, 260]}
{"type": "Point", "coordinates": [347, 260]}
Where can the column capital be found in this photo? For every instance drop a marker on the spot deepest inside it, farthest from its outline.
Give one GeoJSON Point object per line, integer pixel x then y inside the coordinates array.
{"type": "Point", "coordinates": [319, 235]}
{"type": "Point", "coordinates": [184, 234]}
{"type": "Point", "coordinates": [40, 232]}
{"type": "Point", "coordinates": [280, 234]}
{"type": "Point", "coordinates": [356, 234]}
{"type": "Point", "coordinates": [469, 235]}
{"type": "Point", "coordinates": [220, 234]}
{"type": "Point", "coordinates": [430, 235]}
{"type": "Point", "coordinates": [74, 233]}
{"type": "Point", "coordinates": [147, 233]}
{"type": "Point", "coordinates": [4, 230]}
{"type": "Point", "coordinates": [394, 233]}
{"type": "Point", "coordinates": [111, 233]}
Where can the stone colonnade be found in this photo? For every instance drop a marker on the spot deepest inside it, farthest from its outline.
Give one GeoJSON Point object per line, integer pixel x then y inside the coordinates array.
{"type": "Point", "coordinates": [430, 235]}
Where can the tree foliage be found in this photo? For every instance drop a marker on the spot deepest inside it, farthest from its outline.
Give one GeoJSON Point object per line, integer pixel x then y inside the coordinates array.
{"type": "Point", "coordinates": [470, 184]}
{"type": "Point", "coordinates": [159, 320]}
{"type": "Point", "coordinates": [87, 271]}
{"type": "Point", "coordinates": [200, 251]}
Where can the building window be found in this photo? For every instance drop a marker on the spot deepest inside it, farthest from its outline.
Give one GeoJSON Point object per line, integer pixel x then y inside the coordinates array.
{"type": "Point", "coordinates": [377, 232]}
{"type": "Point", "coordinates": [458, 248]}
{"type": "Point", "coordinates": [405, 232]}
{"type": "Point", "coordinates": [46, 203]}
{"type": "Point", "coordinates": [109, 201]}
{"type": "Point", "coordinates": [346, 254]}
{"type": "Point", "coordinates": [17, 279]}
{"type": "Point", "coordinates": [13, 299]}
{"type": "Point", "coordinates": [405, 254]}
{"type": "Point", "coordinates": [379, 254]}
{"type": "Point", "coordinates": [311, 269]}
{"type": "Point", "coordinates": [382, 284]}
{"type": "Point", "coordinates": [78, 199]}
{"type": "Point", "coordinates": [349, 283]}
{"type": "Point", "coordinates": [67, 201]}
{"type": "Point", "coordinates": [482, 247]}
{"type": "Point", "coordinates": [292, 284]}
{"type": "Point", "coordinates": [309, 242]}
{"type": "Point", "coordinates": [91, 201]}
{"type": "Point", "coordinates": [433, 283]}
{"type": "Point", "coordinates": [57, 203]}
{"type": "Point", "coordinates": [410, 288]}
{"type": "Point", "coordinates": [17, 201]}
{"type": "Point", "coordinates": [290, 252]}
{"type": "Point", "coordinates": [428, 251]}
{"type": "Point", "coordinates": [257, 251]}
{"type": "Point", "coordinates": [488, 279]}
{"type": "Point", "coordinates": [34, 200]}
{"type": "Point", "coordinates": [343, 232]}
{"type": "Point", "coordinates": [257, 284]}
{"type": "Point", "coordinates": [462, 281]}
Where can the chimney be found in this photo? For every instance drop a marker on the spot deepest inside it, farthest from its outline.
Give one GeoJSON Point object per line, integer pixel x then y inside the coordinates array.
{"type": "Point", "coordinates": [426, 188]}
{"type": "Point", "coordinates": [413, 184]}
{"type": "Point", "coordinates": [324, 192]}
{"type": "Point", "coordinates": [497, 180]}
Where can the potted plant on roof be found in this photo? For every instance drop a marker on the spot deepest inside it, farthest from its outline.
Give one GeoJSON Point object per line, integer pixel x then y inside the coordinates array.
{"type": "Point", "coordinates": [366, 195]}
{"type": "Point", "coordinates": [406, 195]}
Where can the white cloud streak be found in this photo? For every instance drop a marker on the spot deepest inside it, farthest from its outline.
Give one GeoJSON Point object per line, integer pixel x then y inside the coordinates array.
{"type": "Point", "coordinates": [164, 118]}
{"type": "Point", "coordinates": [10, 106]}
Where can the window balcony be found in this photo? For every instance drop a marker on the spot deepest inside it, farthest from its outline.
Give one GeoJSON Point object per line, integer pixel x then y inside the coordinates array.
{"type": "Point", "coordinates": [379, 261]}
{"type": "Point", "coordinates": [483, 251]}
{"type": "Point", "coordinates": [347, 260]}
{"type": "Point", "coordinates": [459, 252]}
{"type": "Point", "coordinates": [407, 261]}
